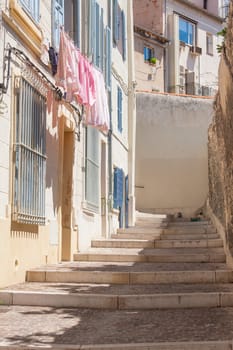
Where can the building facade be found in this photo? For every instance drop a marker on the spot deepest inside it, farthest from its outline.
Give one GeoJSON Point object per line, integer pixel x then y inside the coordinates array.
{"type": "Point", "coordinates": [176, 45]}
{"type": "Point", "coordinates": [65, 178]}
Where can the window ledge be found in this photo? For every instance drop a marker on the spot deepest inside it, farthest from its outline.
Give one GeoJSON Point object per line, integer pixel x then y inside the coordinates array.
{"type": "Point", "coordinates": [24, 26]}
{"type": "Point", "coordinates": [90, 209]}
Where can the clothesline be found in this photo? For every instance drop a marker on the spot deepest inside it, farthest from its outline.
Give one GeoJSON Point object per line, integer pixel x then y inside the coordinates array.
{"type": "Point", "coordinates": [82, 82]}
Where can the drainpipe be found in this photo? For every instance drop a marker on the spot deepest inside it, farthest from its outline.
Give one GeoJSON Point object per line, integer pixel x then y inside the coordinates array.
{"type": "Point", "coordinates": [131, 113]}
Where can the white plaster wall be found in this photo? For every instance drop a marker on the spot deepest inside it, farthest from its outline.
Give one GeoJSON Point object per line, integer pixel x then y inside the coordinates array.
{"type": "Point", "coordinates": [205, 66]}
{"type": "Point", "coordinates": [171, 153]}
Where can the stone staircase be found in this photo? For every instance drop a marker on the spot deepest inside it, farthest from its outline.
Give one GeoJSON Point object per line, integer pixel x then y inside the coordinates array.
{"type": "Point", "coordinates": [173, 272]}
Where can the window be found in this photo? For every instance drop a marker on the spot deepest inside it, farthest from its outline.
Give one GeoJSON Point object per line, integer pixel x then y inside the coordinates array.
{"type": "Point", "coordinates": [119, 109]}
{"type": "Point", "coordinates": [30, 155]}
{"type": "Point", "coordinates": [148, 53]}
{"type": "Point", "coordinates": [186, 31]}
{"type": "Point", "coordinates": [209, 44]}
{"type": "Point", "coordinates": [31, 7]}
{"type": "Point", "coordinates": [205, 4]}
{"type": "Point", "coordinates": [92, 168]}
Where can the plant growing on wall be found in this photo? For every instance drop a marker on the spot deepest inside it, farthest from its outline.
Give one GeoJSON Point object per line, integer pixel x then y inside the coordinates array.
{"type": "Point", "coordinates": [222, 33]}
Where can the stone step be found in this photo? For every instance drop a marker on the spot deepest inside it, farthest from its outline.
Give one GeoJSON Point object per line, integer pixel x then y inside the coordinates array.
{"type": "Point", "coordinates": [218, 345]}
{"type": "Point", "coordinates": [180, 225]}
{"type": "Point", "coordinates": [70, 266]}
{"type": "Point", "coordinates": [133, 243]}
{"type": "Point", "coordinates": [170, 236]}
{"type": "Point", "coordinates": [116, 297]}
{"type": "Point", "coordinates": [130, 277]}
{"type": "Point", "coordinates": [153, 255]}
{"type": "Point", "coordinates": [193, 230]}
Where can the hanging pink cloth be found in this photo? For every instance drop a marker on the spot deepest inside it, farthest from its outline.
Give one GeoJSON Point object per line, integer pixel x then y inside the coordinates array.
{"type": "Point", "coordinates": [87, 92]}
{"type": "Point", "coordinates": [98, 114]}
{"type": "Point", "coordinates": [67, 75]}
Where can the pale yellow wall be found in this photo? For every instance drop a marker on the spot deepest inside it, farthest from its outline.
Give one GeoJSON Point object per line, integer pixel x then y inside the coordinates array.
{"type": "Point", "coordinates": [171, 153]}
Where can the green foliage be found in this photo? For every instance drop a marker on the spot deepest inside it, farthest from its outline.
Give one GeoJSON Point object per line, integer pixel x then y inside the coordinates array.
{"type": "Point", "coordinates": [222, 33]}
{"type": "Point", "coordinates": [153, 60]}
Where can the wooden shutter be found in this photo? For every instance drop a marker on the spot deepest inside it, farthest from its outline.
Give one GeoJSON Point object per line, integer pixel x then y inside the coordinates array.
{"type": "Point", "coordinates": [123, 35]}
{"type": "Point", "coordinates": [118, 188]}
{"type": "Point", "coordinates": [92, 28]}
{"type": "Point", "coordinates": [119, 109]}
{"type": "Point", "coordinates": [108, 63]}
{"type": "Point", "coordinates": [97, 36]}
{"type": "Point", "coordinates": [116, 22]}
{"type": "Point", "coordinates": [102, 40]}
{"type": "Point", "coordinates": [58, 21]}
{"type": "Point", "coordinates": [77, 22]}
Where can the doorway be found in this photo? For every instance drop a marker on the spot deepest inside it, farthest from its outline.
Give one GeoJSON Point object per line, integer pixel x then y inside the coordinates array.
{"type": "Point", "coordinates": [67, 189]}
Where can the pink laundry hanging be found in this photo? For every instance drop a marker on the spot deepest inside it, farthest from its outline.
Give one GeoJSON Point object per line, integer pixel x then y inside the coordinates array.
{"type": "Point", "coordinates": [87, 93]}
{"type": "Point", "coordinates": [74, 73]}
{"type": "Point", "coordinates": [67, 70]}
{"type": "Point", "coordinates": [98, 114]}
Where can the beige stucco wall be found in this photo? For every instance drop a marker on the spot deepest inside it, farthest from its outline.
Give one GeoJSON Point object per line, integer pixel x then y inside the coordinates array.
{"type": "Point", "coordinates": [171, 153]}
{"type": "Point", "coordinates": [148, 77]}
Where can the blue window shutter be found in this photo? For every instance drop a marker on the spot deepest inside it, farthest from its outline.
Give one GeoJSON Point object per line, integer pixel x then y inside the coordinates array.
{"type": "Point", "coordinates": [115, 22]}
{"type": "Point", "coordinates": [108, 58]}
{"type": "Point", "coordinates": [115, 199]}
{"type": "Point", "coordinates": [123, 36]}
{"type": "Point", "coordinates": [118, 188]}
{"type": "Point", "coordinates": [92, 28]}
{"type": "Point", "coordinates": [37, 10]}
{"type": "Point", "coordinates": [146, 53]}
{"type": "Point", "coordinates": [77, 22]}
{"type": "Point", "coordinates": [97, 36]}
{"type": "Point", "coordinates": [58, 21]}
{"type": "Point", "coordinates": [119, 109]}
{"type": "Point", "coordinates": [102, 40]}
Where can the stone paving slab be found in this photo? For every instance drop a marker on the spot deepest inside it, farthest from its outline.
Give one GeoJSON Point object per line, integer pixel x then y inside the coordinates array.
{"type": "Point", "coordinates": [28, 326]}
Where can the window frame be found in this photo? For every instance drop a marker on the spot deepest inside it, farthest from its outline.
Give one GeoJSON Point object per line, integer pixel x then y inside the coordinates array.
{"type": "Point", "coordinates": [209, 44]}
{"type": "Point", "coordinates": [151, 51]}
{"type": "Point", "coordinates": [29, 176]}
{"type": "Point", "coordinates": [191, 24]}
